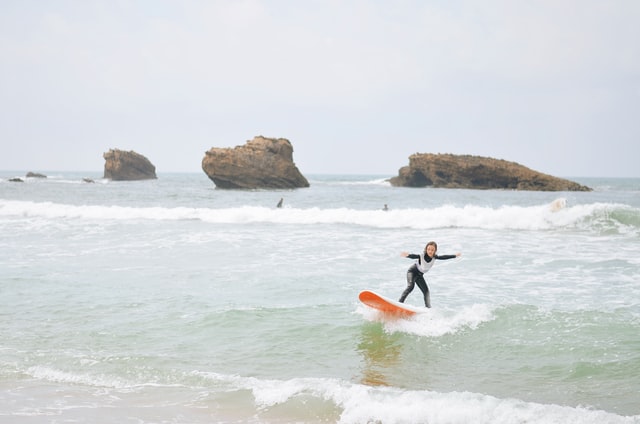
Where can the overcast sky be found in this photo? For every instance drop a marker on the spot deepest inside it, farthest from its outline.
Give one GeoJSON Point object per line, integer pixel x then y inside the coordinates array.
{"type": "Point", "coordinates": [356, 86]}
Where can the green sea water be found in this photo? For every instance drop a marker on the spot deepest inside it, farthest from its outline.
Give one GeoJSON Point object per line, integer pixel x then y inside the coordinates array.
{"type": "Point", "coordinates": [171, 301]}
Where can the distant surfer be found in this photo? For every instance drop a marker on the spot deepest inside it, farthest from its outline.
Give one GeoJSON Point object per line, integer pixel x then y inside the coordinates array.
{"type": "Point", "coordinates": [415, 273]}
{"type": "Point", "coordinates": [279, 205]}
{"type": "Point", "coordinates": [385, 208]}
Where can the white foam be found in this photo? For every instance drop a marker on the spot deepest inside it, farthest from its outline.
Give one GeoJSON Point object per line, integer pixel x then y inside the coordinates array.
{"type": "Point", "coordinates": [57, 376]}
{"type": "Point", "coordinates": [378, 181]}
{"type": "Point", "coordinates": [394, 406]}
{"type": "Point", "coordinates": [101, 381]}
{"type": "Point", "coordinates": [434, 322]}
{"type": "Point", "coordinates": [541, 217]}
{"type": "Point", "coordinates": [360, 403]}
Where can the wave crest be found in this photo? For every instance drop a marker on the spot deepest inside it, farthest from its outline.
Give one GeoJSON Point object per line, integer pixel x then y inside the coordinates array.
{"type": "Point", "coordinates": [596, 216]}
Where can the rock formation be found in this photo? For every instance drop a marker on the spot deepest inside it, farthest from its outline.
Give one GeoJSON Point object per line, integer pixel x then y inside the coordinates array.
{"type": "Point", "coordinates": [35, 175]}
{"type": "Point", "coordinates": [260, 163]}
{"type": "Point", "coordinates": [126, 166]}
{"type": "Point", "coordinates": [476, 172]}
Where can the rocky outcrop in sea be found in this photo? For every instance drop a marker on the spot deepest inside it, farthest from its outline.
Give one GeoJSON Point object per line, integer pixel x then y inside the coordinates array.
{"type": "Point", "coordinates": [127, 166]}
{"type": "Point", "coordinates": [476, 172]}
{"type": "Point", "coordinates": [261, 163]}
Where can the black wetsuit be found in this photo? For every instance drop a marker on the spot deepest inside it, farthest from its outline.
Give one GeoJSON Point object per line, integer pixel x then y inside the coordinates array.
{"type": "Point", "coordinates": [415, 275]}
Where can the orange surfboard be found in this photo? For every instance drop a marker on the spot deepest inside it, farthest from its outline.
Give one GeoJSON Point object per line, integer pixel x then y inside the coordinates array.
{"type": "Point", "coordinates": [388, 306]}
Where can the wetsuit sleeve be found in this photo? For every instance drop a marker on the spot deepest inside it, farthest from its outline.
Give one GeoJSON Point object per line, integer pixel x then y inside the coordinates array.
{"type": "Point", "coordinates": [413, 256]}
{"type": "Point", "coordinates": [444, 256]}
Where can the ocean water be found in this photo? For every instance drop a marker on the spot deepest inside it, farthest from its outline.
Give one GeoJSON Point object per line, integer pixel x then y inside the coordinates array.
{"type": "Point", "coordinates": [169, 301]}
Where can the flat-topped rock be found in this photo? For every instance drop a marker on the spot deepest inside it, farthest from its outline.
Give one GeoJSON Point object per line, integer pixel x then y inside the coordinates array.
{"type": "Point", "coordinates": [35, 175]}
{"type": "Point", "coordinates": [260, 163]}
{"type": "Point", "coordinates": [127, 166]}
{"type": "Point", "coordinates": [476, 172]}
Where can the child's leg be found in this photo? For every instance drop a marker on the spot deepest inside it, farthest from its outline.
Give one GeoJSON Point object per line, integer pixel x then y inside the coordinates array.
{"type": "Point", "coordinates": [425, 290]}
{"type": "Point", "coordinates": [410, 285]}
